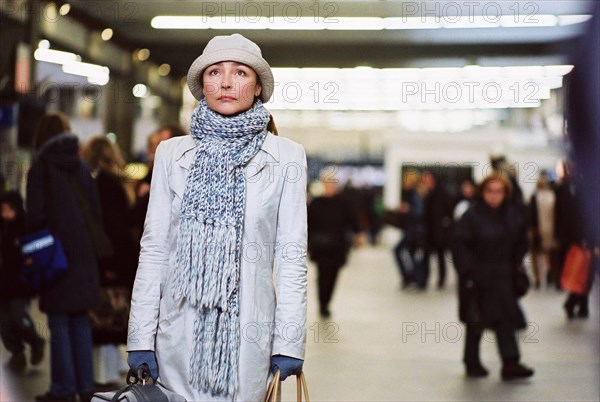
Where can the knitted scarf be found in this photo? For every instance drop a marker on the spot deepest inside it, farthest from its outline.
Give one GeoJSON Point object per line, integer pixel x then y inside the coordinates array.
{"type": "Point", "coordinates": [207, 269]}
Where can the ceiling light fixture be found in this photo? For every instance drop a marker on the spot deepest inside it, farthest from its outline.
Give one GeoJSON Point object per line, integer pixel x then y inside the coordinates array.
{"type": "Point", "coordinates": [64, 9]}
{"type": "Point", "coordinates": [54, 56]}
{"type": "Point", "coordinates": [106, 34]}
{"type": "Point", "coordinates": [389, 89]}
{"type": "Point", "coordinates": [362, 23]}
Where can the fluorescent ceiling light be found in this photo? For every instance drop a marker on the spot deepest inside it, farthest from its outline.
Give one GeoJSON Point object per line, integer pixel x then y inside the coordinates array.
{"type": "Point", "coordinates": [470, 22]}
{"type": "Point", "coordinates": [44, 44]}
{"type": "Point", "coordinates": [355, 23]}
{"type": "Point", "coordinates": [99, 80]}
{"type": "Point", "coordinates": [573, 19]}
{"type": "Point", "coordinates": [71, 64]}
{"type": "Point", "coordinates": [85, 69]}
{"type": "Point", "coordinates": [528, 21]}
{"type": "Point", "coordinates": [244, 22]}
{"type": "Point", "coordinates": [523, 71]}
{"type": "Point", "coordinates": [411, 23]}
{"type": "Point", "coordinates": [557, 70]}
{"type": "Point", "coordinates": [365, 88]}
{"type": "Point", "coordinates": [54, 56]}
{"type": "Point", "coordinates": [296, 24]}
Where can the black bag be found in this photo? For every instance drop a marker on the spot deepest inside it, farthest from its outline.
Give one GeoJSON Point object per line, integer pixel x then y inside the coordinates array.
{"type": "Point", "coordinates": [102, 244]}
{"type": "Point", "coordinates": [138, 391]}
{"type": "Point", "coordinates": [521, 282]}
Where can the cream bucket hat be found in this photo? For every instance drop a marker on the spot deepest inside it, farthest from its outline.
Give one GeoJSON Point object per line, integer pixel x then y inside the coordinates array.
{"type": "Point", "coordinates": [231, 48]}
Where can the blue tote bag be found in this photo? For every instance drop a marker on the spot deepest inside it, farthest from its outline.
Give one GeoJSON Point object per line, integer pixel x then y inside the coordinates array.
{"type": "Point", "coordinates": [44, 260]}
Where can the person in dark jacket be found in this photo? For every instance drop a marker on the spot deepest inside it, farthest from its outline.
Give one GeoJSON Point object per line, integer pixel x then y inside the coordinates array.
{"type": "Point", "coordinates": [439, 207]}
{"type": "Point", "coordinates": [466, 197]}
{"type": "Point", "coordinates": [331, 222]}
{"type": "Point", "coordinates": [569, 231]}
{"type": "Point", "coordinates": [583, 132]}
{"type": "Point", "coordinates": [567, 217]}
{"type": "Point", "coordinates": [16, 326]}
{"type": "Point", "coordinates": [117, 273]}
{"type": "Point", "coordinates": [52, 203]}
{"type": "Point", "coordinates": [489, 244]}
{"type": "Point", "coordinates": [410, 251]}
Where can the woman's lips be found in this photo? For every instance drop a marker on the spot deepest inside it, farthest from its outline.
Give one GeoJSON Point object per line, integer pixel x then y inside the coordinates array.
{"type": "Point", "coordinates": [226, 98]}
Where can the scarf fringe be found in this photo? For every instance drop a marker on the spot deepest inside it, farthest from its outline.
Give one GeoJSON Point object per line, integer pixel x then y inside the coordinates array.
{"type": "Point", "coordinates": [211, 250]}
{"type": "Point", "coordinates": [214, 362]}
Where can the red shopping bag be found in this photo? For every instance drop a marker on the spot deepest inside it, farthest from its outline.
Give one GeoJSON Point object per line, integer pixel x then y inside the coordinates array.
{"type": "Point", "coordinates": [576, 271]}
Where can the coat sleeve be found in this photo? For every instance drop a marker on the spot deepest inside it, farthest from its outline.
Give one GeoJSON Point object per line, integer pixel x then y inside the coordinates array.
{"type": "Point", "coordinates": [290, 261]}
{"type": "Point", "coordinates": [154, 255]}
{"type": "Point", "coordinates": [36, 198]}
{"type": "Point", "coordinates": [463, 242]}
{"type": "Point", "coordinates": [521, 245]}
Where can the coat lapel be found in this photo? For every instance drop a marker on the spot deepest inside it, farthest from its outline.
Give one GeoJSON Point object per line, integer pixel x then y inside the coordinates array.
{"type": "Point", "coordinates": [184, 153]}
{"type": "Point", "coordinates": [268, 153]}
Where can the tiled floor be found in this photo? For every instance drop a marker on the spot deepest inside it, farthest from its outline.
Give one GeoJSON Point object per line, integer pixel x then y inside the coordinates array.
{"type": "Point", "coordinates": [384, 344]}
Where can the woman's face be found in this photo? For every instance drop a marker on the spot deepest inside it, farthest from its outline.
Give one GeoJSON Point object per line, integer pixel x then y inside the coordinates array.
{"type": "Point", "coordinates": [8, 212]}
{"type": "Point", "coordinates": [467, 189]}
{"type": "Point", "coordinates": [230, 87]}
{"type": "Point", "coordinates": [494, 193]}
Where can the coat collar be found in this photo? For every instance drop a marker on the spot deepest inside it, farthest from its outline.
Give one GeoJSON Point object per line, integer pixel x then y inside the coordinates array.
{"type": "Point", "coordinates": [268, 151]}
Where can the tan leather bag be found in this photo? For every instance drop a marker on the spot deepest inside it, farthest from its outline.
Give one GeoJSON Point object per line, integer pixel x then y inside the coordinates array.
{"type": "Point", "coordinates": [273, 391]}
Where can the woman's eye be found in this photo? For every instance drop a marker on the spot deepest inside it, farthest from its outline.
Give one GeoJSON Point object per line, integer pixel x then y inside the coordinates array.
{"type": "Point", "coordinates": [213, 72]}
{"type": "Point", "coordinates": [241, 72]}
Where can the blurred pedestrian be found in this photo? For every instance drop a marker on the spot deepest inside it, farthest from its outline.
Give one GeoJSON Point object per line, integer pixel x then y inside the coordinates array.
{"type": "Point", "coordinates": [583, 131]}
{"type": "Point", "coordinates": [490, 241]}
{"type": "Point", "coordinates": [55, 176]}
{"type": "Point", "coordinates": [332, 221]}
{"type": "Point", "coordinates": [16, 326]}
{"type": "Point", "coordinates": [570, 232]}
{"type": "Point", "coordinates": [439, 207]}
{"type": "Point", "coordinates": [466, 198]}
{"type": "Point", "coordinates": [410, 251]}
{"type": "Point", "coordinates": [500, 164]}
{"type": "Point", "coordinates": [568, 220]}
{"type": "Point", "coordinates": [541, 218]}
{"type": "Point", "coordinates": [376, 211]}
{"type": "Point", "coordinates": [117, 273]}
{"type": "Point", "coordinates": [142, 188]}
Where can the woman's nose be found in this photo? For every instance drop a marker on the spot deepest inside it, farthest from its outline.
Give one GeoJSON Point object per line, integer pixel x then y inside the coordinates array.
{"type": "Point", "coordinates": [226, 81]}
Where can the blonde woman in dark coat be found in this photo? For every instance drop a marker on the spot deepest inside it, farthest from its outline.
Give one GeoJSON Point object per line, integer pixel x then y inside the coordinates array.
{"type": "Point", "coordinates": [490, 241]}
{"type": "Point", "coordinates": [117, 272]}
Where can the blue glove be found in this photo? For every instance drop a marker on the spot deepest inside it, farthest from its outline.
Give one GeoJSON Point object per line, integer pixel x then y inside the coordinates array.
{"type": "Point", "coordinates": [286, 365]}
{"type": "Point", "coordinates": [138, 357]}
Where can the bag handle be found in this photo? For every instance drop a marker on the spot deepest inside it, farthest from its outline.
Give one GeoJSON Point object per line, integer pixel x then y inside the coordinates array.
{"type": "Point", "coordinates": [273, 388]}
{"type": "Point", "coordinates": [142, 374]}
{"type": "Point", "coordinates": [301, 383]}
{"type": "Point", "coordinates": [300, 387]}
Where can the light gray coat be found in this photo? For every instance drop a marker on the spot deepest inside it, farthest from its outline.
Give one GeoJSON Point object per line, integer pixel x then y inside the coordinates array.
{"type": "Point", "coordinates": [272, 307]}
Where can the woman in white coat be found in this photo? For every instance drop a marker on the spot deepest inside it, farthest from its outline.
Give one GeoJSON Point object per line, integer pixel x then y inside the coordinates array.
{"type": "Point", "coordinates": [227, 211]}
